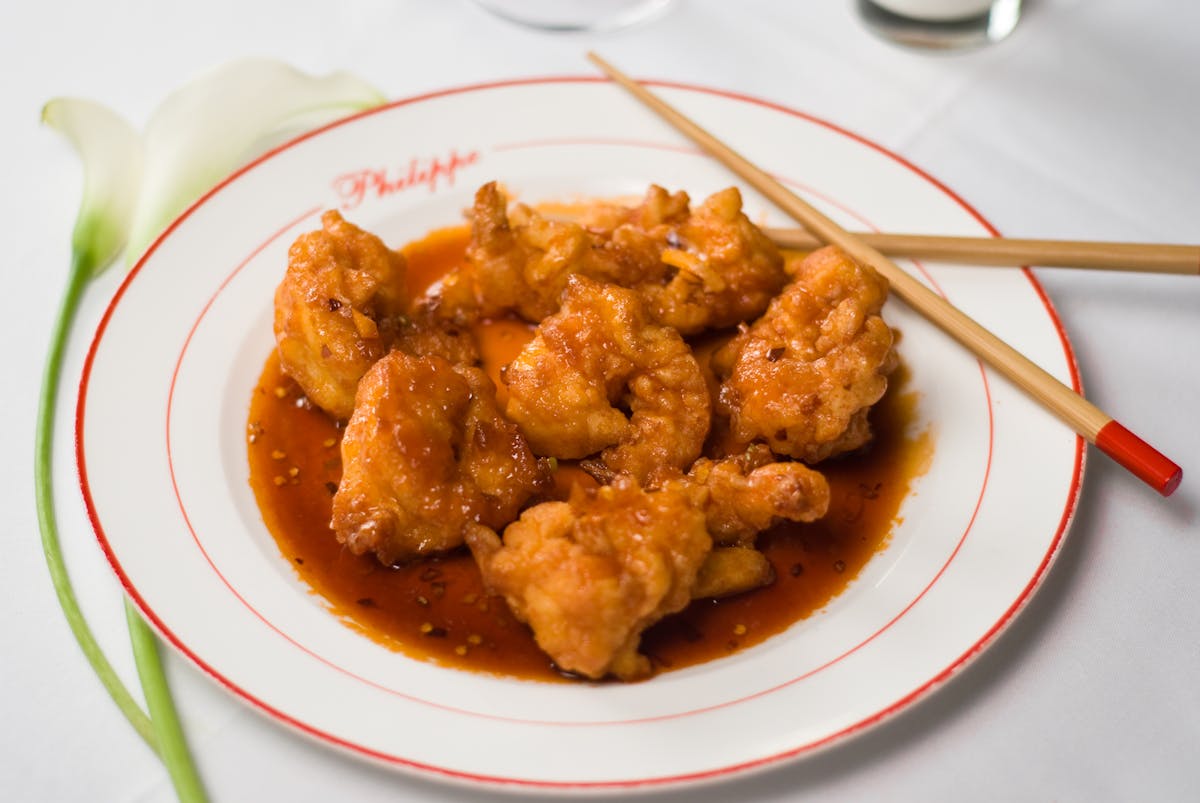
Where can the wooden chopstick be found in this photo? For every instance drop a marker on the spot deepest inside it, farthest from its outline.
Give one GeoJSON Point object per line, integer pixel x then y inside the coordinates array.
{"type": "Point", "coordinates": [1133, 257]}
{"type": "Point", "coordinates": [1130, 451]}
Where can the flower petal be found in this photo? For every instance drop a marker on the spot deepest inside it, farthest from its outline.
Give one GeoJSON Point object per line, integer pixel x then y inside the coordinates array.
{"type": "Point", "coordinates": [111, 152]}
{"type": "Point", "coordinates": [220, 120]}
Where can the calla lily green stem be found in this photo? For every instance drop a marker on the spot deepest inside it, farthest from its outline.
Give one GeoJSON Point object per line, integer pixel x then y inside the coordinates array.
{"type": "Point", "coordinates": [81, 273]}
{"type": "Point", "coordinates": [160, 730]}
{"type": "Point", "coordinates": [134, 184]}
{"type": "Point", "coordinates": [172, 745]}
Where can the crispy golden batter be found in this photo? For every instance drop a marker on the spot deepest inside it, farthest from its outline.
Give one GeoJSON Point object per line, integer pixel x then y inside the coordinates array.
{"type": "Point", "coordinates": [711, 268]}
{"type": "Point", "coordinates": [725, 270]}
{"type": "Point", "coordinates": [657, 208]}
{"type": "Point", "coordinates": [807, 372]}
{"type": "Point", "coordinates": [594, 358]}
{"type": "Point", "coordinates": [521, 263]}
{"type": "Point", "coordinates": [730, 570]}
{"type": "Point", "coordinates": [590, 574]}
{"type": "Point", "coordinates": [750, 492]}
{"type": "Point", "coordinates": [425, 453]}
{"type": "Point", "coordinates": [334, 310]}
{"type": "Point", "coordinates": [430, 461]}
{"type": "Point", "coordinates": [427, 332]}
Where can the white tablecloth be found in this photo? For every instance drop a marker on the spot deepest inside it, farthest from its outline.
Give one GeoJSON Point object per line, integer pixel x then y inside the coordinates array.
{"type": "Point", "coordinates": [1084, 124]}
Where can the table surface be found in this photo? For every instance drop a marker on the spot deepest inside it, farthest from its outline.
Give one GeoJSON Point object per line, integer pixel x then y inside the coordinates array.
{"type": "Point", "coordinates": [1083, 124]}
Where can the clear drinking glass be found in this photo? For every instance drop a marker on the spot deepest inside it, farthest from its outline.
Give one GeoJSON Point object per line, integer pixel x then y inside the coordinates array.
{"type": "Point", "coordinates": [941, 24]}
{"type": "Point", "coordinates": [576, 15]}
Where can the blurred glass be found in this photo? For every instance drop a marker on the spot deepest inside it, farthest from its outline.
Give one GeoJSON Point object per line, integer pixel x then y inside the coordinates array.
{"type": "Point", "coordinates": [576, 15]}
{"type": "Point", "coordinates": [941, 24]}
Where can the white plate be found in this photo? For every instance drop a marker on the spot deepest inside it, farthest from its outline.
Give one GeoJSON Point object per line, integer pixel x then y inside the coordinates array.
{"type": "Point", "coordinates": [162, 457]}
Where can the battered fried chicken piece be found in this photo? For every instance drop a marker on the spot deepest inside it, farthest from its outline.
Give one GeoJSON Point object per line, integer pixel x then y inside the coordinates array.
{"type": "Point", "coordinates": [750, 492]}
{"type": "Point", "coordinates": [710, 268]}
{"type": "Point", "coordinates": [335, 310]}
{"type": "Point", "coordinates": [805, 374]}
{"type": "Point", "coordinates": [522, 263]}
{"type": "Point", "coordinates": [657, 208]}
{"type": "Point", "coordinates": [597, 356]}
{"type": "Point", "coordinates": [426, 331]}
{"type": "Point", "coordinates": [730, 570]}
{"type": "Point", "coordinates": [425, 453]}
{"type": "Point", "coordinates": [726, 269]}
{"type": "Point", "coordinates": [590, 574]}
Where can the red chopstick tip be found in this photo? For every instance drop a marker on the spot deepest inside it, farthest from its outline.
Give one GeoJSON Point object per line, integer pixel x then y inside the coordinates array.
{"type": "Point", "coordinates": [1146, 462]}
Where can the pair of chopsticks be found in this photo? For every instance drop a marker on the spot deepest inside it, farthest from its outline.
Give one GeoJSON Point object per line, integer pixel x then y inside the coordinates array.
{"type": "Point", "coordinates": [1100, 429]}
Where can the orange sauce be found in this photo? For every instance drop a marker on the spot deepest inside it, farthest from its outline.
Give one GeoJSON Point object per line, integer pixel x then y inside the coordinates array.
{"type": "Point", "coordinates": [438, 609]}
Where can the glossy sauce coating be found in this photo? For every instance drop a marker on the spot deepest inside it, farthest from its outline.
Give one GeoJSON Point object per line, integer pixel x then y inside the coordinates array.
{"type": "Point", "coordinates": [437, 609]}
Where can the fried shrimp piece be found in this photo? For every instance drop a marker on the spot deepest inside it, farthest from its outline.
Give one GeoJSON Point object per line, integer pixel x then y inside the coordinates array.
{"type": "Point", "coordinates": [426, 331]}
{"type": "Point", "coordinates": [335, 308]}
{"type": "Point", "coordinates": [807, 372]}
{"type": "Point", "coordinates": [597, 356]}
{"type": "Point", "coordinates": [751, 491]}
{"type": "Point", "coordinates": [425, 453]}
{"type": "Point", "coordinates": [521, 262]}
{"type": "Point", "coordinates": [730, 570]}
{"type": "Point", "coordinates": [711, 268]}
{"type": "Point", "coordinates": [724, 269]}
{"type": "Point", "coordinates": [590, 574]}
{"type": "Point", "coordinates": [658, 208]}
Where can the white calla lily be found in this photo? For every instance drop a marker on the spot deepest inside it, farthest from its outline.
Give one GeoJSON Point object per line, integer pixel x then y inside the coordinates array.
{"type": "Point", "coordinates": [111, 152]}
{"type": "Point", "coordinates": [224, 118]}
{"type": "Point", "coordinates": [134, 185]}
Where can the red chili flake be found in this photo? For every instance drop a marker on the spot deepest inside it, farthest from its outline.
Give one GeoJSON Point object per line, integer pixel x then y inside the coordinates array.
{"type": "Point", "coordinates": [797, 569]}
{"type": "Point", "coordinates": [366, 602]}
{"type": "Point", "coordinates": [775, 353]}
{"type": "Point", "coordinates": [334, 305]}
{"type": "Point", "coordinates": [839, 566]}
{"type": "Point", "coordinates": [331, 487]}
{"type": "Point", "coordinates": [430, 574]}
